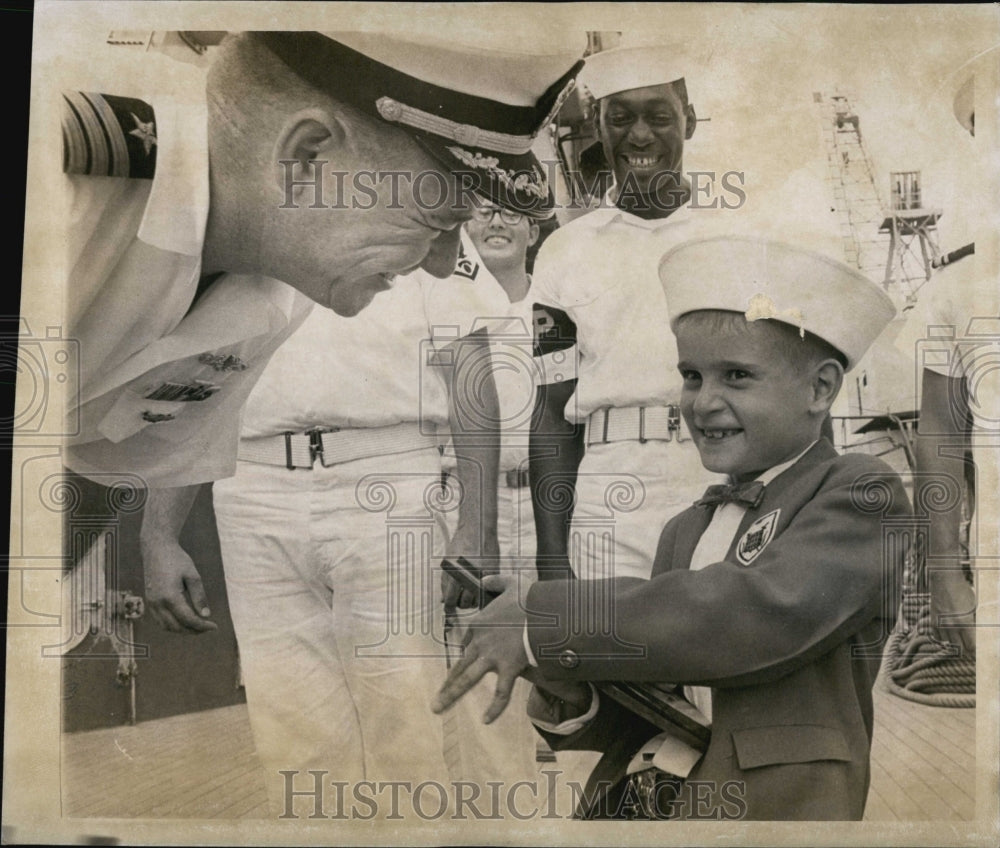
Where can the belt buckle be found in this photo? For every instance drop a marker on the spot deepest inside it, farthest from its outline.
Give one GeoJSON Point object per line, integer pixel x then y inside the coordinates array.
{"type": "Point", "coordinates": [674, 421]}
{"type": "Point", "coordinates": [291, 466]}
{"type": "Point", "coordinates": [516, 478]}
{"type": "Point", "coordinates": [316, 443]}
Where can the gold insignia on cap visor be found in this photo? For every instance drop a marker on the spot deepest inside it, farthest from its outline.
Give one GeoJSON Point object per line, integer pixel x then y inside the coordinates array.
{"type": "Point", "coordinates": [467, 134]}
{"type": "Point", "coordinates": [531, 182]}
{"type": "Point", "coordinates": [399, 113]}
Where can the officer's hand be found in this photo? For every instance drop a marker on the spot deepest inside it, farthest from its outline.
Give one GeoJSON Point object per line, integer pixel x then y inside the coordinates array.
{"type": "Point", "coordinates": [174, 592]}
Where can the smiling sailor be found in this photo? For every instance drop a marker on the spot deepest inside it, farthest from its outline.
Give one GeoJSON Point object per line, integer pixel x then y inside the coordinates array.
{"type": "Point", "coordinates": [616, 429]}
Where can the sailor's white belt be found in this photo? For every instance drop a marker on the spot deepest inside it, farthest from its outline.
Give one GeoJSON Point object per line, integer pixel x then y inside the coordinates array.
{"type": "Point", "coordinates": [331, 445]}
{"type": "Point", "coordinates": [635, 423]}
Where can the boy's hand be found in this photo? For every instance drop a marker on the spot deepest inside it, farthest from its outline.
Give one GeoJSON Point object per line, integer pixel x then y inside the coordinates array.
{"type": "Point", "coordinates": [493, 642]}
{"type": "Point", "coordinates": [557, 701]}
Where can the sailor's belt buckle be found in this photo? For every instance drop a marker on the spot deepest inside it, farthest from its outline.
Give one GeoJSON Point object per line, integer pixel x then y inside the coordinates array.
{"type": "Point", "coordinates": [673, 423]}
{"type": "Point", "coordinates": [315, 445]}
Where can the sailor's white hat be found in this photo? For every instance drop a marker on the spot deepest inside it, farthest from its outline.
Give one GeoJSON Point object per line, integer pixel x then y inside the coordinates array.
{"type": "Point", "coordinates": [764, 278]}
{"type": "Point", "coordinates": [624, 68]}
{"type": "Point", "coordinates": [474, 105]}
{"type": "Point", "coordinates": [963, 86]}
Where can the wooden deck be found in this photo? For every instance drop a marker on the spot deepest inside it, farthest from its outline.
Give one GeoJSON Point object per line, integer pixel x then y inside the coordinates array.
{"type": "Point", "coordinates": [923, 762]}
{"type": "Point", "coordinates": [198, 765]}
{"type": "Point", "coordinates": [203, 766]}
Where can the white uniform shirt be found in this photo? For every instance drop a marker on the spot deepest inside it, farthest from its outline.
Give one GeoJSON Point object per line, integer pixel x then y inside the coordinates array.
{"type": "Point", "coordinates": [134, 262]}
{"type": "Point", "coordinates": [955, 326]}
{"type": "Point", "coordinates": [374, 369]}
{"type": "Point", "coordinates": [602, 270]}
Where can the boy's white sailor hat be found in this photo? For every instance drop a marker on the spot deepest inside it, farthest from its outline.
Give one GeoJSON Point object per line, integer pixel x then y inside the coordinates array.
{"type": "Point", "coordinates": [764, 278]}
{"type": "Point", "coordinates": [473, 104]}
{"type": "Point", "coordinates": [624, 68]}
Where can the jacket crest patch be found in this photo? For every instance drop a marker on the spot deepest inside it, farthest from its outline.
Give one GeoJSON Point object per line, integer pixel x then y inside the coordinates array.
{"type": "Point", "coordinates": [757, 537]}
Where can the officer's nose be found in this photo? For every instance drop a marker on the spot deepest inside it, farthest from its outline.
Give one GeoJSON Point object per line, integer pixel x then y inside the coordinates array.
{"type": "Point", "coordinates": [442, 257]}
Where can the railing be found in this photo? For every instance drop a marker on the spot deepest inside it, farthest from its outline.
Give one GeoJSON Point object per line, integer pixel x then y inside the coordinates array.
{"type": "Point", "coordinates": [905, 189]}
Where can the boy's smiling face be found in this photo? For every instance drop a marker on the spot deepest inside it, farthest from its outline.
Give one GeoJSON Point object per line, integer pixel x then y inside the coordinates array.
{"type": "Point", "coordinates": [748, 403]}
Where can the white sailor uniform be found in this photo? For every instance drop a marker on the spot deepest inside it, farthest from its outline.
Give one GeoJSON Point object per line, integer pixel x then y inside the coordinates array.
{"type": "Point", "coordinates": [640, 466]}
{"type": "Point", "coordinates": [332, 566]}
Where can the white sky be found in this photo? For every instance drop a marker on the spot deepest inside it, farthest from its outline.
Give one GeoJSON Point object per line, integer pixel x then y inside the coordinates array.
{"type": "Point", "coordinates": [895, 62]}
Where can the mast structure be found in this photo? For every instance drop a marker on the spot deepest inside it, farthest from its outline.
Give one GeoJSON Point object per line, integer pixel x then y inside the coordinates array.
{"type": "Point", "coordinates": [893, 242]}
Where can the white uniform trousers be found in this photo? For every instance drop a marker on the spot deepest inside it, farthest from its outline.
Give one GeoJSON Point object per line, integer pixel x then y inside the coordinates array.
{"type": "Point", "coordinates": [625, 494]}
{"type": "Point", "coordinates": [333, 582]}
{"type": "Point", "coordinates": [505, 750]}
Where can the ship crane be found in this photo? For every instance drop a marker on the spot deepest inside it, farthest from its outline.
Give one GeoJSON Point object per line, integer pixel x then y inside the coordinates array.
{"type": "Point", "coordinates": [897, 245]}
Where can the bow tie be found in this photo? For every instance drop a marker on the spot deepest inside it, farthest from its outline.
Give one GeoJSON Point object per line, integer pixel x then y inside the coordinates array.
{"type": "Point", "coordinates": [748, 494]}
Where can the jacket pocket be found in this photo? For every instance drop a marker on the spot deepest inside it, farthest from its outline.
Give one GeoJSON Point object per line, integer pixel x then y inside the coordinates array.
{"type": "Point", "coordinates": [796, 743]}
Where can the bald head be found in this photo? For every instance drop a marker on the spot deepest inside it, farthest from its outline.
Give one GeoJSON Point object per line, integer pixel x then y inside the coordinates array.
{"type": "Point", "coordinates": [251, 91]}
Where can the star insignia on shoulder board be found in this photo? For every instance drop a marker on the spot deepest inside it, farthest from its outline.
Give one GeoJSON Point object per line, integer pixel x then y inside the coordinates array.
{"type": "Point", "coordinates": [144, 131]}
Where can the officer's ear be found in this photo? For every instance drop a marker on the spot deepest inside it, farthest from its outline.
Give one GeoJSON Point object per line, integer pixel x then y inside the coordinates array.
{"type": "Point", "coordinates": [308, 140]}
{"type": "Point", "coordinates": [691, 120]}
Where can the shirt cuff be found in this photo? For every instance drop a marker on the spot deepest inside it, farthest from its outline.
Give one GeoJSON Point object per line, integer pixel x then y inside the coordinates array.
{"type": "Point", "coordinates": [527, 647]}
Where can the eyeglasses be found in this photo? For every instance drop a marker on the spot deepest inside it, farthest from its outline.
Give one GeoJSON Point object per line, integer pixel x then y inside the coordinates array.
{"type": "Point", "coordinates": [484, 214]}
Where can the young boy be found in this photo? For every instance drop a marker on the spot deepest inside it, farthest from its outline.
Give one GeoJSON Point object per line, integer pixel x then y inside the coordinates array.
{"type": "Point", "coordinates": [769, 603]}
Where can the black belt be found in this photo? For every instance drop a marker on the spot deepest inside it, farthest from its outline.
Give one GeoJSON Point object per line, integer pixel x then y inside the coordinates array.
{"type": "Point", "coordinates": [513, 478]}
{"type": "Point", "coordinates": [517, 478]}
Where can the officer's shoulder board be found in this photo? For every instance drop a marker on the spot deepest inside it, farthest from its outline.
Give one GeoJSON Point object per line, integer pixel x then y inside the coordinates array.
{"type": "Point", "coordinates": [109, 136]}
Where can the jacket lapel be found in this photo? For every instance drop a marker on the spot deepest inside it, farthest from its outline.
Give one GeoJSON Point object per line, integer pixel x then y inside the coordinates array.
{"type": "Point", "coordinates": [688, 535]}
{"type": "Point", "coordinates": [774, 493]}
